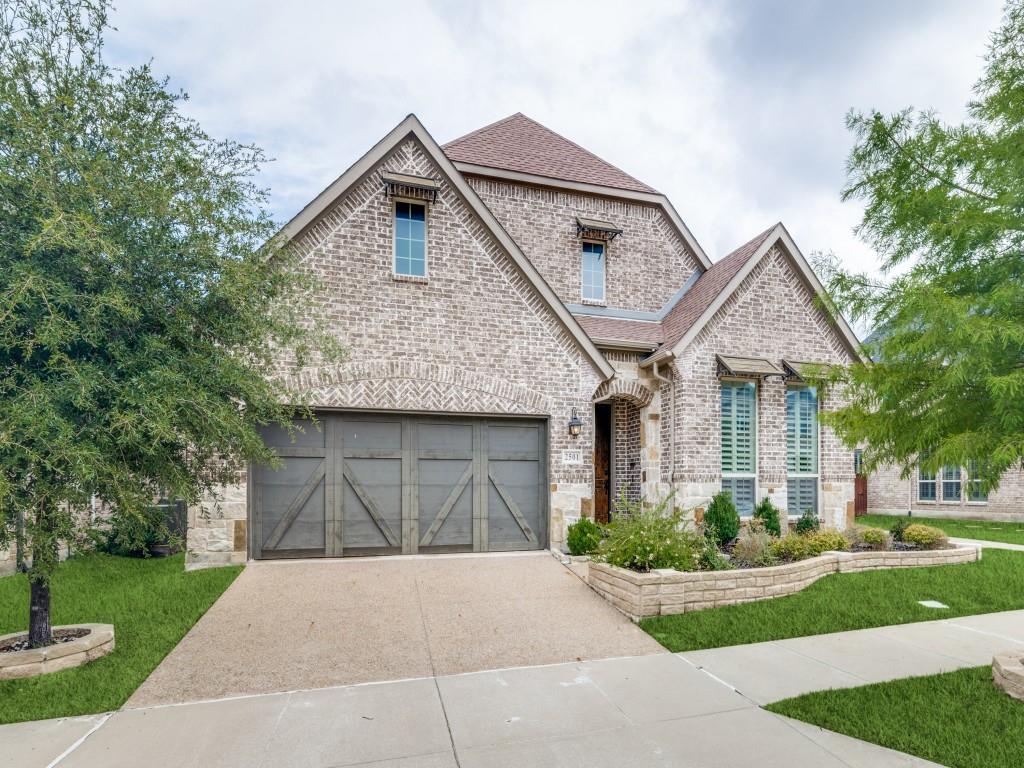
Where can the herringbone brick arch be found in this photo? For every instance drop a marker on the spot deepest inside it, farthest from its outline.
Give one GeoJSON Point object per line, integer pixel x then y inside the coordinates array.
{"type": "Point", "coordinates": [624, 389]}
{"type": "Point", "coordinates": [406, 385]}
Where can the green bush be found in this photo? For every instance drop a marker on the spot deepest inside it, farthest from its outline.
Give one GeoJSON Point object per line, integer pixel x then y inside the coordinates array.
{"type": "Point", "coordinates": [132, 533]}
{"type": "Point", "coordinates": [768, 514]}
{"type": "Point", "coordinates": [754, 546]}
{"type": "Point", "coordinates": [641, 538]}
{"type": "Point", "coordinates": [723, 518]}
{"type": "Point", "coordinates": [584, 537]}
{"type": "Point", "coordinates": [925, 536]}
{"type": "Point", "coordinates": [808, 522]}
{"type": "Point", "coordinates": [791, 548]}
{"type": "Point", "coordinates": [870, 538]}
{"type": "Point", "coordinates": [899, 525]}
{"type": "Point", "coordinates": [826, 541]}
{"type": "Point", "coordinates": [709, 558]}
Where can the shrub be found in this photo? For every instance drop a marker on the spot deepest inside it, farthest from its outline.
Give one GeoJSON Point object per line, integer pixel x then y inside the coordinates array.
{"type": "Point", "coordinates": [826, 541]}
{"type": "Point", "coordinates": [723, 518]}
{"type": "Point", "coordinates": [899, 525]}
{"type": "Point", "coordinates": [808, 522]}
{"type": "Point", "coordinates": [791, 548]}
{"type": "Point", "coordinates": [650, 537]}
{"type": "Point", "coordinates": [869, 538]}
{"type": "Point", "coordinates": [131, 534]}
{"type": "Point", "coordinates": [768, 514]}
{"type": "Point", "coordinates": [708, 557]}
{"type": "Point", "coordinates": [925, 536]}
{"type": "Point", "coordinates": [754, 546]}
{"type": "Point", "coordinates": [584, 537]}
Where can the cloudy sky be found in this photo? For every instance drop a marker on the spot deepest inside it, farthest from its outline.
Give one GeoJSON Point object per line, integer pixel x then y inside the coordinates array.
{"type": "Point", "coordinates": [733, 108]}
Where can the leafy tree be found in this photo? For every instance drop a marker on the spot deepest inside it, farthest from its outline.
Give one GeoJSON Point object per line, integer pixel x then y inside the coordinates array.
{"type": "Point", "coordinates": [945, 211]}
{"type": "Point", "coordinates": [140, 306]}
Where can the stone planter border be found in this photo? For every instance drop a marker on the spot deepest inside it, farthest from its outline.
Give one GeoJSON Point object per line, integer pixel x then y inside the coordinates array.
{"type": "Point", "coordinates": [1008, 673]}
{"type": "Point", "coordinates": [53, 658]}
{"type": "Point", "coordinates": [666, 591]}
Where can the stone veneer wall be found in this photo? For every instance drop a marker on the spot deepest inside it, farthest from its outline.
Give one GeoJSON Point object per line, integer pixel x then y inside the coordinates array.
{"type": "Point", "coordinates": [645, 265]}
{"type": "Point", "coordinates": [472, 337]}
{"type": "Point", "coordinates": [665, 592]}
{"type": "Point", "coordinates": [889, 493]}
{"type": "Point", "coordinates": [7, 560]}
{"type": "Point", "coordinates": [772, 315]}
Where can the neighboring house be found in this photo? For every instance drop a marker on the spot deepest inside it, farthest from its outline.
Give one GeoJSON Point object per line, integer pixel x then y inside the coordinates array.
{"type": "Point", "coordinates": [951, 492]}
{"type": "Point", "coordinates": [532, 334]}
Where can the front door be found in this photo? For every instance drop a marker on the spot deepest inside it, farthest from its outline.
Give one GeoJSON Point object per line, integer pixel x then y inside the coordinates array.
{"type": "Point", "coordinates": [602, 462]}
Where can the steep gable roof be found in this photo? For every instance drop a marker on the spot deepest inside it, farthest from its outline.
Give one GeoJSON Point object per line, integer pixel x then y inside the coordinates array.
{"type": "Point", "coordinates": [518, 143]}
{"type": "Point", "coordinates": [411, 126]}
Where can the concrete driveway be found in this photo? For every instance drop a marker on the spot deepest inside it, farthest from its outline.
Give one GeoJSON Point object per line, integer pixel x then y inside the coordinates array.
{"type": "Point", "coordinates": [285, 626]}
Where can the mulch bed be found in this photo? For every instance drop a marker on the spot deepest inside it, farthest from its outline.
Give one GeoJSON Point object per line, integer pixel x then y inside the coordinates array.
{"type": "Point", "coordinates": [20, 643]}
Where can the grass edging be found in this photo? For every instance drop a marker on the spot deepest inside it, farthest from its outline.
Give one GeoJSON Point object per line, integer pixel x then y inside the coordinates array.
{"type": "Point", "coordinates": [152, 605]}
{"type": "Point", "coordinates": [959, 719]}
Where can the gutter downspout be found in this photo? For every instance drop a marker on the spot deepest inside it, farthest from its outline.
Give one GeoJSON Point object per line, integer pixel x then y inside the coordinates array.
{"type": "Point", "coordinates": [672, 423]}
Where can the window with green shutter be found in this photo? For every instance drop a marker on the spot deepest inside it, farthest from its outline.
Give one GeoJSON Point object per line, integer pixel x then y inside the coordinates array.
{"type": "Point", "coordinates": [802, 449]}
{"type": "Point", "coordinates": [739, 443]}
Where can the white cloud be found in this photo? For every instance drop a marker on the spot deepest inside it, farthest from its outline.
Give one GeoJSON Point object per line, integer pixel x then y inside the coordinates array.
{"type": "Point", "coordinates": [735, 110]}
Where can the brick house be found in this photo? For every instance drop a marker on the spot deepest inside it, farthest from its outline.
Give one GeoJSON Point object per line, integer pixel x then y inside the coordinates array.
{"type": "Point", "coordinates": [532, 334]}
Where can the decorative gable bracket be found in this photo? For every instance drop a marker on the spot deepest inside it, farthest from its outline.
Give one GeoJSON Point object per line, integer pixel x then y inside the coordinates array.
{"type": "Point", "coordinates": [592, 229]}
{"type": "Point", "coordinates": [408, 186]}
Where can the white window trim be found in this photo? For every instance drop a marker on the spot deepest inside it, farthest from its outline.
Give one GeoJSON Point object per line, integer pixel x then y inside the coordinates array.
{"type": "Point", "coordinates": [604, 273]}
{"type": "Point", "coordinates": [394, 240]}
{"type": "Point", "coordinates": [815, 475]}
{"type": "Point", "coordinates": [754, 424]}
{"type": "Point", "coordinates": [917, 489]}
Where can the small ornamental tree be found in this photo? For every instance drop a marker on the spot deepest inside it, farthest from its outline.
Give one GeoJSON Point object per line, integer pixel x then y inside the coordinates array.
{"type": "Point", "coordinates": [944, 212]}
{"type": "Point", "coordinates": [140, 308]}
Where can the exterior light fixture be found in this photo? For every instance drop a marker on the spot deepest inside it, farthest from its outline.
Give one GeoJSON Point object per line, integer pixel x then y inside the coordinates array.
{"type": "Point", "coordinates": [575, 425]}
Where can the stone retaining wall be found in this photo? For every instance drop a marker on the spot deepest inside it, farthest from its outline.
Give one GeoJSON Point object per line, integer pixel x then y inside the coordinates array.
{"type": "Point", "coordinates": [53, 658]}
{"type": "Point", "coordinates": [1008, 673]}
{"type": "Point", "coordinates": [664, 592]}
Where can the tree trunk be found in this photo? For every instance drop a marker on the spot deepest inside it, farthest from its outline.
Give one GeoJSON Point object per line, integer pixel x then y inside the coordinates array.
{"type": "Point", "coordinates": [40, 632]}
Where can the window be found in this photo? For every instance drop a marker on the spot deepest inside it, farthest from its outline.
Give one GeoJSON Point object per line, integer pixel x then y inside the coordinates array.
{"type": "Point", "coordinates": [858, 462]}
{"type": "Point", "coordinates": [802, 449]}
{"type": "Point", "coordinates": [739, 443]}
{"type": "Point", "coordinates": [974, 492]}
{"type": "Point", "coordinates": [950, 483]}
{"type": "Point", "coordinates": [593, 272]}
{"type": "Point", "coordinates": [410, 239]}
{"type": "Point", "coordinates": [925, 484]}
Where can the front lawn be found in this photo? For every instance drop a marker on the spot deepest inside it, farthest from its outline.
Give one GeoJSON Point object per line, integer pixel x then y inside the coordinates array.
{"type": "Point", "coordinates": [845, 601]}
{"type": "Point", "coordinates": [959, 719]}
{"type": "Point", "coordinates": [1010, 533]}
{"type": "Point", "coordinates": [151, 603]}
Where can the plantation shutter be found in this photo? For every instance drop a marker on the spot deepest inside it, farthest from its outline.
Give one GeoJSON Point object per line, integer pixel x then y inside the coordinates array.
{"type": "Point", "coordinates": [802, 431]}
{"type": "Point", "coordinates": [738, 429]}
{"type": "Point", "coordinates": [742, 491]}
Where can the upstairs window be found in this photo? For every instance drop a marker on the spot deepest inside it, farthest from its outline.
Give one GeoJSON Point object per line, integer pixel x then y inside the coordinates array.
{"type": "Point", "coordinates": [951, 484]}
{"type": "Point", "coordinates": [410, 239]}
{"type": "Point", "coordinates": [974, 492]}
{"type": "Point", "coordinates": [739, 443]}
{"type": "Point", "coordinates": [593, 272]}
{"type": "Point", "coordinates": [802, 449]}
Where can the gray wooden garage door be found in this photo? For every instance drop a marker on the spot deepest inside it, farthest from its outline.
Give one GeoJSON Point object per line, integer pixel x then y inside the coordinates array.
{"type": "Point", "coordinates": [361, 484]}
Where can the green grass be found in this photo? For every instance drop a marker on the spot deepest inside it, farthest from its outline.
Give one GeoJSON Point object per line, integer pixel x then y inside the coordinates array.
{"type": "Point", "coordinates": [845, 601]}
{"type": "Point", "coordinates": [959, 719]}
{"type": "Point", "coordinates": [151, 603]}
{"type": "Point", "coordinates": [1010, 533]}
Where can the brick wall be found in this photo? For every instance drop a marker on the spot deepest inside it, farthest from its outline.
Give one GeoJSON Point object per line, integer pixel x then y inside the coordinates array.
{"type": "Point", "coordinates": [646, 264]}
{"type": "Point", "coordinates": [626, 450]}
{"type": "Point", "coordinates": [889, 493]}
{"type": "Point", "coordinates": [771, 315]}
{"type": "Point", "coordinates": [474, 337]}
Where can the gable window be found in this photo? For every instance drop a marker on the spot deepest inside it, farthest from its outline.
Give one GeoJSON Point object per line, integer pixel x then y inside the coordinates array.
{"type": "Point", "coordinates": [951, 483]}
{"type": "Point", "coordinates": [925, 484]}
{"type": "Point", "coordinates": [802, 449]}
{"type": "Point", "coordinates": [593, 272]}
{"type": "Point", "coordinates": [974, 492]}
{"type": "Point", "coordinates": [739, 443]}
{"type": "Point", "coordinates": [410, 239]}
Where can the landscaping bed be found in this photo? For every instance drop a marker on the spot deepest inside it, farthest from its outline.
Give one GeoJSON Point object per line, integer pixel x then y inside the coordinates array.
{"type": "Point", "coordinates": [152, 603]}
{"type": "Point", "coordinates": [984, 530]}
{"type": "Point", "coordinates": [959, 719]}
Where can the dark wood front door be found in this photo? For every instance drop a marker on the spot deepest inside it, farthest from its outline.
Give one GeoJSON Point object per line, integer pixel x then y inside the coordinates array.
{"type": "Point", "coordinates": [602, 462]}
{"type": "Point", "coordinates": [860, 495]}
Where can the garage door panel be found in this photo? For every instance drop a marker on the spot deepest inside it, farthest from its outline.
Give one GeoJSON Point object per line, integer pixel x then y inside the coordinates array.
{"type": "Point", "coordinates": [449, 438]}
{"type": "Point", "coordinates": [364, 436]}
{"type": "Point", "coordinates": [307, 434]}
{"type": "Point", "coordinates": [513, 517]}
{"type": "Point", "coordinates": [445, 501]}
{"type": "Point", "coordinates": [372, 503]}
{"type": "Point", "coordinates": [292, 502]}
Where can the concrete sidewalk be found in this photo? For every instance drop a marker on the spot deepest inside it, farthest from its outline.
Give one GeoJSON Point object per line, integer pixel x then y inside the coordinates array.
{"type": "Point", "coordinates": [989, 544]}
{"type": "Point", "coordinates": [767, 672]}
{"type": "Point", "coordinates": [649, 712]}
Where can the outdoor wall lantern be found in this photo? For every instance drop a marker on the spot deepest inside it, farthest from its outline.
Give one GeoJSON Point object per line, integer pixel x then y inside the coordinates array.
{"type": "Point", "coordinates": [575, 425]}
